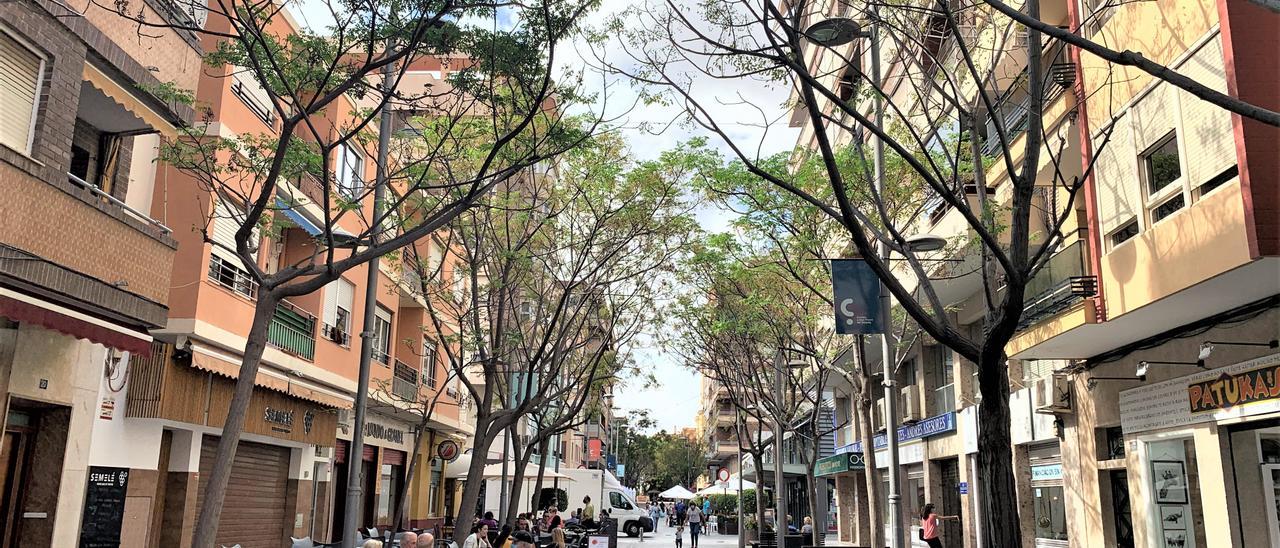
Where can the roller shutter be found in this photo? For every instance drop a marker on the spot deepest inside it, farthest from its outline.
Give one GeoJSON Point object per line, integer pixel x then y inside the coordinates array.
{"type": "Point", "coordinates": [253, 513]}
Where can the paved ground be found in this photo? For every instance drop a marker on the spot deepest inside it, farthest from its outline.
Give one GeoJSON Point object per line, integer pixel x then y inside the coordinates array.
{"type": "Point", "coordinates": [665, 537]}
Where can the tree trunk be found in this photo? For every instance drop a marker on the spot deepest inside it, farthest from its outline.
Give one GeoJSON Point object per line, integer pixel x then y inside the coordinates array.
{"type": "Point", "coordinates": [814, 507]}
{"type": "Point", "coordinates": [517, 486]}
{"type": "Point", "coordinates": [875, 514]}
{"type": "Point", "coordinates": [475, 479]}
{"type": "Point", "coordinates": [1001, 528]}
{"type": "Point", "coordinates": [542, 472]}
{"type": "Point", "coordinates": [215, 493]}
{"type": "Point", "coordinates": [759, 460]}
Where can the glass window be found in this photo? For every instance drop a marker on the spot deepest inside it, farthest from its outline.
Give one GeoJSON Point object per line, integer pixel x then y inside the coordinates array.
{"type": "Point", "coordinates": [1169, 207]}
{"type": "Point", "coordinates": [339, 296]}
{"type": "Point", "coordinates": [1124, 233]}
{"type": "Point", "coordinates": [1050, 513]}
{"type": "Point", "coordinates": [382, 335]}
{"type": "Point", "coordinates": [1162, 164]}
{"type": "Point", "coordinates": [429, 363]}
{"type": "Point", "coordinates": [616, 500]}
{"type": "Point", "coordinates": [944, 396]}
{"type": "Point", "coordinates": [350, 170]}
{"type": "Point", "coordinates": [389, 480]}
{"type": "Point", "coordinates": [1173, 486]}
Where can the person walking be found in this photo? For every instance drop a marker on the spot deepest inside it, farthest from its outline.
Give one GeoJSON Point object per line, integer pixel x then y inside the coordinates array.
{"type": "Point", "coordinates": [931, 525]}
{"type": "Point", "coordinates": [695, 525]}
{"type": "Point", "coordinates": [681, 511]}
{"type": "Point", "coordinates": [653, 515]}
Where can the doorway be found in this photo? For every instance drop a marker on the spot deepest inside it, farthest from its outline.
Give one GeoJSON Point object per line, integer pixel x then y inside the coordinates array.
{"type": "Point", "coordinates": [14, 454]}
{"type": "Point", "coordinates": [1120, 511]}
{"type": "Point", "coordinates": [949, 502]}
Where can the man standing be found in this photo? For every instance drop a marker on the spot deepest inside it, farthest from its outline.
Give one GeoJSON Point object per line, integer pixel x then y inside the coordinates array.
{"type": "Point", "coordinates": [681, 509]}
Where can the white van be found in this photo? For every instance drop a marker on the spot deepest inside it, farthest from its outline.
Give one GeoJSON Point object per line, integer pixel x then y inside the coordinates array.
{"type": "Point", "coordinates": [607, 493]}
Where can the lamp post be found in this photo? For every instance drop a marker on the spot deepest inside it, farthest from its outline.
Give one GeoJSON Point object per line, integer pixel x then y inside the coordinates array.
{"type": "Point", "coordinates": [779, 482]}
{"type": "Point", "coordinates": [741, 524]}
{"type": "Point", "coordinates": [829, 33]}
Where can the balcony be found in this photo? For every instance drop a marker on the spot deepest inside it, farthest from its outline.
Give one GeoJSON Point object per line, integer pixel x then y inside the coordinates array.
{"type": "Point", "coordinates": [404, 382]}
{"type": "Point", "coordinates": [1014, 105]}
{"type": "Point", "coordinates": [293, 331]}
{"type": "Point", "coordinates": [1060, 284]}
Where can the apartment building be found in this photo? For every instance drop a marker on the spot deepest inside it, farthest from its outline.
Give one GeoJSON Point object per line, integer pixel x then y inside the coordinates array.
{"type": "Point", "coordinates": [84, 266]}
{"type": "Point", "coordinates": [1160, 387]}
{"type": "Point", "coordinates": [719, 426]}
{"type": "Point", "coordinates": [123, 330]}
{"type": "Point", "coordinates": [1170, 253]}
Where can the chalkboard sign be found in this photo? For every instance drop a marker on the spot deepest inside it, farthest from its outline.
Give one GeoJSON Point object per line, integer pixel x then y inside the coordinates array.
{"type": "Point", "coordinates": [104, 507]}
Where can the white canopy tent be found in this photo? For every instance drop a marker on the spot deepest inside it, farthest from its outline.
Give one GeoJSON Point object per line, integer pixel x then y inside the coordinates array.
{"type": "Point", "coordinates": [726, 487]}
{"type": "Point", "coordinates": [677, 492]}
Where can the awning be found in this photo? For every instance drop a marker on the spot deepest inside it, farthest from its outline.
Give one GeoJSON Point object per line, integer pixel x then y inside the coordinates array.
{"type": "Point", "coordinates": [208, 359]}
{"type": "Point", "coordinates": [27, 309]}
{"type": "Point", "coordinates": [121, 96]}
{"type": "Point", "coordinates": [298, 218]}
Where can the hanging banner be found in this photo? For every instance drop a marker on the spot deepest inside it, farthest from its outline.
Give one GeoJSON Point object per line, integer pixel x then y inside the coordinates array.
{"type": "Point", "coordinates": [857, 297]}
{"type": "Point", "coordinates": [593, 449]}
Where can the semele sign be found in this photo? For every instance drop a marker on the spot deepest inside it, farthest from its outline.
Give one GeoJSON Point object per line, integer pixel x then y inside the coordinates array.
{"type": "Point", "coordinates": [1228, 391]}
{"type": "Point", "coordinates": [1233, 391]}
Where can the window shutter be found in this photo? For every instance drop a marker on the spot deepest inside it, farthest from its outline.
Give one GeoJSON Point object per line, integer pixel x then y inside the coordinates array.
{"type": "Point", "coordinates": [1116, 173]}
{"type": "Point", "coordinates": [346, 294]}
{"type": "Point", "coordinates": [226, 221]}
{"type": "Point", "coordinates": [330, 312]}
{"type": "Point", "coordinates": [20, 71]}
{"type": "Point", "coordinates": [246, 86]}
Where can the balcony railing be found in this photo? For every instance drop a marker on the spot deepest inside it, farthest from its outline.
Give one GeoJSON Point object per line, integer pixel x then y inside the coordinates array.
{"type": "Point", "coordinates": [1061, 283]}
{"type": "Point", "coordinates": [404, 382]}
{"type": "Point", "coordinates": [93, 189]}
{"type": "Point", "coordinates": [1014, 105]}
{"type": "Point", "coordinates": [232, 277]}
{"type": "Point", "coordinates": [293, 331]}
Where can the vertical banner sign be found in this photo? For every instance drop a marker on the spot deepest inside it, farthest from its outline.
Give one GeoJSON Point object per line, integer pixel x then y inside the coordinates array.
{"type": "Point", "coordinates": [103, 507]}
{"type": "Point", "coordinates": [857, 297]}
{"type": "Point", "coordinates": [593, 449]}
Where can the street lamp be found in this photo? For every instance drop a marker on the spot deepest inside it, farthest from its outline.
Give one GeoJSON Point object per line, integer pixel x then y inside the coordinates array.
{"type": "Point", "coordinates": [838, 31]}
{"type": "Point", "coordinates": [779, 482]}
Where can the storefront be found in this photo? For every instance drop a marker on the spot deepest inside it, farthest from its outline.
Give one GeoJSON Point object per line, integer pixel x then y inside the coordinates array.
{"type": "Point", "coordinates": [162, 431]}
{"type": "Point", "coordinates": [383, 461]}
{"type": "Point", "coordinates": [1048, 496]}
{"type": "Point", "coordinates": [1204, 457]}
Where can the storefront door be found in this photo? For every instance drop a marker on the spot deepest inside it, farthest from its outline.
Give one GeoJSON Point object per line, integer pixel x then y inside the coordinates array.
{"type": "Point", "coordinates": [1271, 475]}
{"type": "Point", "coordinates": [12, 465]}
{"type": "Point", "coordinates": [949, 502]}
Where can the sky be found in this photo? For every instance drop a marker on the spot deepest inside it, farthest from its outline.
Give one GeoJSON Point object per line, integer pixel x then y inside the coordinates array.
{"type": "Point", "coordinates": [649, 129]}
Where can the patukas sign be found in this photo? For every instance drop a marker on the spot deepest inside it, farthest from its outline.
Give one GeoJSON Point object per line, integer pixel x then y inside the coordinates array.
{"type": "Point", "coordinates": [1240, 390]}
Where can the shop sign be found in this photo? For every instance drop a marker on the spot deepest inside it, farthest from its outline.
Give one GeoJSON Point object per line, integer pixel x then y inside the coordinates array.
{"type": "Point", "coordinates": [1224, 393]}
{"type": "Point", "coordinates": [104, 499]}
{"type": "Point", "coordinates": [279, 419]}
{"type": "Point", "coordinates": [383, 432]}
{"type": "Point", "coordinates": [447, 450]}
{"type": "Point", "coordinates": [836, 464]}
{"type": "Point", "coordinates": [1046, 472]}
{"type": "Point", "coordinates": [932, 426]}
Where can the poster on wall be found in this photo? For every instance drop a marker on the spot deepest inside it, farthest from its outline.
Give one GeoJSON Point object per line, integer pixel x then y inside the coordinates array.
{"type": "Point", "coordinates": [104, 499]}
{"type": "Point", "coordinates": [1175, 539]}
{"type": "Point", "coordinates": [1170, 481]}
{"type": "Point", "coordinates": [1173, 518]}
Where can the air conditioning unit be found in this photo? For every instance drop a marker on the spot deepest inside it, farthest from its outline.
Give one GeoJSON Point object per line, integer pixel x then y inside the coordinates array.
{"type": "Point", "coordinates": [911, 406]}
{"type": "Point", "coordinates": [1020, 38]}
{"type": "Point", "coordinates": [324, 453]}
{"type": "Point", "coordinates": [880, 414]}
{"type": "Point", "coordinates": [1053, 395]}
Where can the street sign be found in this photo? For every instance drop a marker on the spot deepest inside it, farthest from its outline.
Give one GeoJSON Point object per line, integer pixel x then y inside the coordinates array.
{"type": "Point", "coordinates": [722, 474]}
{"type": "Point", "coordinates": [622, 470]}
{"type": "Point", "coordinates": [857, 297]}
{"type": "Point", "coordinates": [964, 488]}
{"type": "Point", "coordinates": [835, 464]}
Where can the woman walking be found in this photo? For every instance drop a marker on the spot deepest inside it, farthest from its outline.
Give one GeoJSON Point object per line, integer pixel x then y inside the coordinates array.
{"type": "Point", "coordinates": [930, 526]}
{"type": "Point", "coordinates": [694, 515]}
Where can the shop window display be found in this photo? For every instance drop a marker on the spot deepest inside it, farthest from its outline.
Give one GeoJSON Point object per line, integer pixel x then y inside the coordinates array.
{"type": "Point", "coordinates": [1175, 509]}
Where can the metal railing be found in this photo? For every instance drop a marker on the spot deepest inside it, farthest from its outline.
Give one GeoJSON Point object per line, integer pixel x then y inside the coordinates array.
{"type": "Point", "coordinates": [293, 331]}
{"type": "Point", "coordinates": [404, 383]}
{"type": "Point", "coordinates": [93, 189]}
{"type": "Point", "coordinates": [232, 277]}
{"type": "Point", "coordinates": [1014, 105]}
{"type": "Point", "coordinates": [1061, 283]}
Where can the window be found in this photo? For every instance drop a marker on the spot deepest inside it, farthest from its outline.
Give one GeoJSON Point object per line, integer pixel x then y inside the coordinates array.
{"type": "Point", "coordinates": [338, 297]}
{"type": "Point", "coordinates": [1219, 180]}
{"type": "Point", "coordinates": [1050, 513]}
{"type": "Point", "coordinates": [253, 94]}
{"type": "Point", "coordinates": [429, 354]}
{"type": "Point", "coordinates": [526, 312]}
{"type": "Point", "coordinates": [225, 265]}
{"type": "Point", "coordinates": [909, 373]}
{"type": "Point", "coordinates": [21, 73]}
{"type": "Point", "coordinates": [1162, 164]}
{"type": "Point", "coordinates": [1169, 207]}
{"type": "Point", "coordinates": [350, 171]}
{"type": "Point", "coordinates": [616, 500]}
{"type": "Point", "coordinates": [944, 396]}
{"type": "Point", "coordinates": [382, 336]}
{"type": "Point", "coordinates": [1124, 233]}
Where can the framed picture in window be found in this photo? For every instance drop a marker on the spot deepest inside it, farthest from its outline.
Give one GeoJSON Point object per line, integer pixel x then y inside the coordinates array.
{"type": "Point", "coordinates": [1173, 518]}
{"type": "Point", "coordinates": [1175, 539]}
{"type": "Point", "coordinates": [1169, 477]}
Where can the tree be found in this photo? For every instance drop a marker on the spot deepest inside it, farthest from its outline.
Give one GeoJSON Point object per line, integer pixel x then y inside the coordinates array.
{"type": "Point", "coordinates": [678, 461]}
{"type": "Point", "coordinates": [1013, 233]}
{"type": "Point", "coordinates": [545, 285]}
{"type": "Point", "coordinates": [324, 89]}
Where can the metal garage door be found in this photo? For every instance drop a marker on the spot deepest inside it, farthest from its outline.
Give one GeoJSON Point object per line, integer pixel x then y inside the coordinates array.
{"type": "Point", "coordinates": [253, 514]}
